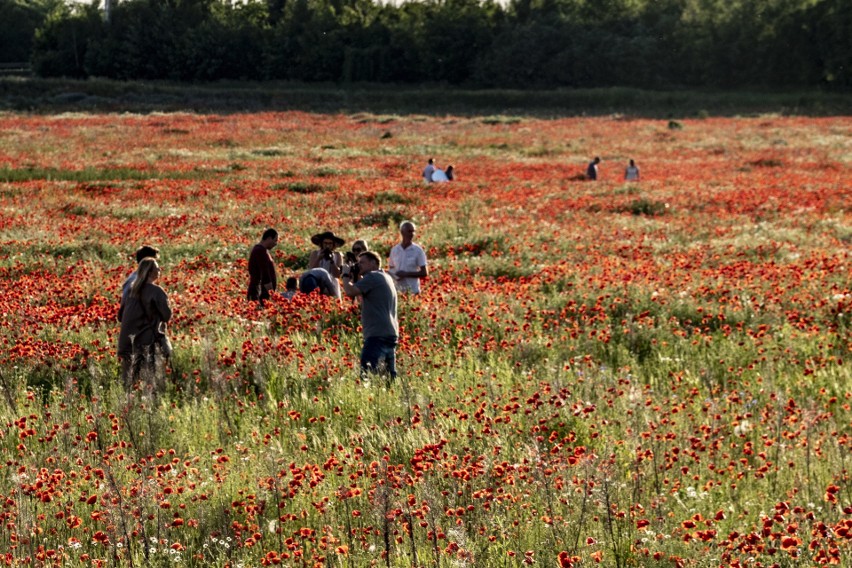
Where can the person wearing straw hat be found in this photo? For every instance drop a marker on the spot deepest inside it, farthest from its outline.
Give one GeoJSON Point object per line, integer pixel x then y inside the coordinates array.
{"type": "Point", "coordinates": [326, 256]}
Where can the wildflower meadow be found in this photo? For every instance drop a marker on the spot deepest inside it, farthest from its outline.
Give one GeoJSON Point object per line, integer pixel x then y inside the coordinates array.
{"type": "Point", "coordinates": [645, 373]}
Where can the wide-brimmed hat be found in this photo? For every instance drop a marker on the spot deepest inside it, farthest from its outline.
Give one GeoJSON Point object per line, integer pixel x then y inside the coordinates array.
{"type": "Point", "coordinates": [328, 235]}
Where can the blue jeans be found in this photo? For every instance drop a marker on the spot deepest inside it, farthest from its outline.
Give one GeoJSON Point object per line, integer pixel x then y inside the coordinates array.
{"type": "Point", "coordinates": [377, 349]}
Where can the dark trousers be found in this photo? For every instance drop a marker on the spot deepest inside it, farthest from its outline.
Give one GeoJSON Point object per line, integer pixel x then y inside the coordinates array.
{"type": "Point", "coordinates": [141, 367]}
{"type": "Point", "coordinates": [376, 350]}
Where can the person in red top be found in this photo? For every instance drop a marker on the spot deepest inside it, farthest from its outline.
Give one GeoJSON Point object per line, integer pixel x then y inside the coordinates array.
{"type": "Point", "coordinates": [261, 268]}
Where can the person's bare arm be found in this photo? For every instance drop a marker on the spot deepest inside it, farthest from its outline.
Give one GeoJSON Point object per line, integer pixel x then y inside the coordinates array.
{"type": "Point", "coordinates": [314, 259]}
{"type": "Point", "coordinates": [422, 273]}
{"type": "Point", "coordinates": [335, 268]}
{"type": "Point", "coordinates": [349, 288]}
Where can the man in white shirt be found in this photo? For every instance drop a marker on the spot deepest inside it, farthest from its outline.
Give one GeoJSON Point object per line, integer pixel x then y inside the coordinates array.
{"type": "Point", "coordinates": [407, 262]}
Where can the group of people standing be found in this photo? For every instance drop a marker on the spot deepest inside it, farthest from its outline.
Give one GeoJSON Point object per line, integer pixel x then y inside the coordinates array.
{"type": "Point", "coordinates": [407, 265]}
{"type": "Point", "coordinates": [144, 311]}
{"type": "Point", "coordinates": [358, 274]}
{"type": "Point", "coordinates": [631, 172]}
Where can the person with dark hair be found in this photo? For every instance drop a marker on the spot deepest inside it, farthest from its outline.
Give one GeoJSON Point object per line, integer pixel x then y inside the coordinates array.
{"type": "Point", "coordinates": [378, 313]}
{"type": "Point", "coordinates": [428, 171]}
{"type": "Point", "coordinates": [143, 319]}
{"type": "Point", "coordinates": [261, 268]}
{"type": "Point", "coordinates": [350, 259]}
{"type": "Point", "coordinates": [144, 251]}
{"type": "Point", "coordinates": [631, 172]}
{"type": "Point", "coordinates": [450, 173]}
{"type": "Point", "coordinates": [592, 170]}
{"type": "Point", "coordinates": [319, 279]}
{"type": "Point", "coordinates": [291, 287]}
{"type": "Point", "coordinates": [326, 256]}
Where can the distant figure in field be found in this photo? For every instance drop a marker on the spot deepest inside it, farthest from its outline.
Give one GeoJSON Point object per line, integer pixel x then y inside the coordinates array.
{"type": "Point", "coordinates": [631, 173]}
{"type": "Point", "coordinates": [319, 279]}
{"type": "Point", "coordinates": [407, 261]}
{"type": "Point", "coordinates": [450, 172]}
{"type": "Point", "coordinates": [326, 256]}
{"type": "Point", "coordinates": [440, 176]}
{"type": "Point", "coordinates": [291, 287]}
{"type": "Point", "coordinates": [428, 171]}
{"type": "Point", "coordinates": [143, 317]}
{"type": "Point", "coordinates": [261, 267]}
{"type": "Point", "coordinates": [378, 314]}
{"type": "Point", "coordinates": [144, 251]}
{"type": "Point", "coordinates": [592, 170]}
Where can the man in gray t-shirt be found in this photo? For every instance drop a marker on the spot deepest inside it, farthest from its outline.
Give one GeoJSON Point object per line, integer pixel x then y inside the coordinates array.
{"type": "Point", "coordinates": [378, 313]}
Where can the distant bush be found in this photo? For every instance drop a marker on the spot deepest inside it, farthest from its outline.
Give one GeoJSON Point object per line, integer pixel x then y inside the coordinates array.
{"type": "Point", "coordinates": [389, 197]}
{"type": "Point", "coordinates": [767, 163]}
{"type": "Point", "coordinates": [382, 218]}
{"type": "Point", "coordinates": [304, 187]}
{"type": "Point", "coordinates": [646, 207]}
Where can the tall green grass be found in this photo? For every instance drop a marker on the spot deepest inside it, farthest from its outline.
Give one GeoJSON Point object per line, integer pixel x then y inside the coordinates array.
{"type": "Point", "coordinates": [90, 174]}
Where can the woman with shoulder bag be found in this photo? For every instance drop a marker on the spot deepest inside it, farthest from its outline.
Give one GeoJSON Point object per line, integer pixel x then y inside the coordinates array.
{"type": "Point", "coordinates": [143, 319]}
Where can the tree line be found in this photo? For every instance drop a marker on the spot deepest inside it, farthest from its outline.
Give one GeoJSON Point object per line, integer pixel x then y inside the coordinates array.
{"type": "Point", "coordinates": [658, 44]}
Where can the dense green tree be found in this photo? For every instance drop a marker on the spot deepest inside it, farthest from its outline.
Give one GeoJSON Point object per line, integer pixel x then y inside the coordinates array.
{"type": "Point", "coordinates": [61, 44]}
{"type": "Point", "coordinates": [231, 44]}
{"type": "Point", "coordinates": [308, 44]}
{"type": "Point", "coordinates": [141, 41]}
{"type": "Point", "coordinates": [451, 36]}
{"type": "Point", "coordinates": [832, 28]}
{"type": "Point", "coordinates": [527, 43]}
{"type": "Point", "coordinates": [19, 20]}
{"type": "Point", "coordinates": [530, 55]}
{"type": "Point", "coordinates": [401, 58]}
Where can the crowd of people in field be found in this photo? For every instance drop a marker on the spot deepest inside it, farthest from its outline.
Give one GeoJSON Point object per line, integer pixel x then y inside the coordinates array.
{"type": "Point", "coordinates": [357, 273]}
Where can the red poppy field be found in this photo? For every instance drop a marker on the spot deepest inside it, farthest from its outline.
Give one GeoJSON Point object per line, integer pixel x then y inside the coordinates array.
{"type": "Point", "coordinates": [612, 373]}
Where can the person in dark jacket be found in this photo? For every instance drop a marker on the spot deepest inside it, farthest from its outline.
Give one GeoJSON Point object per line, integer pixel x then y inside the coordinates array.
{"type": "Point", "coordinates": [143, 315]}
{"type": "Point", "coordinates": [592, 170]}
{"type": "Point", "coordinates": [261, 267]}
